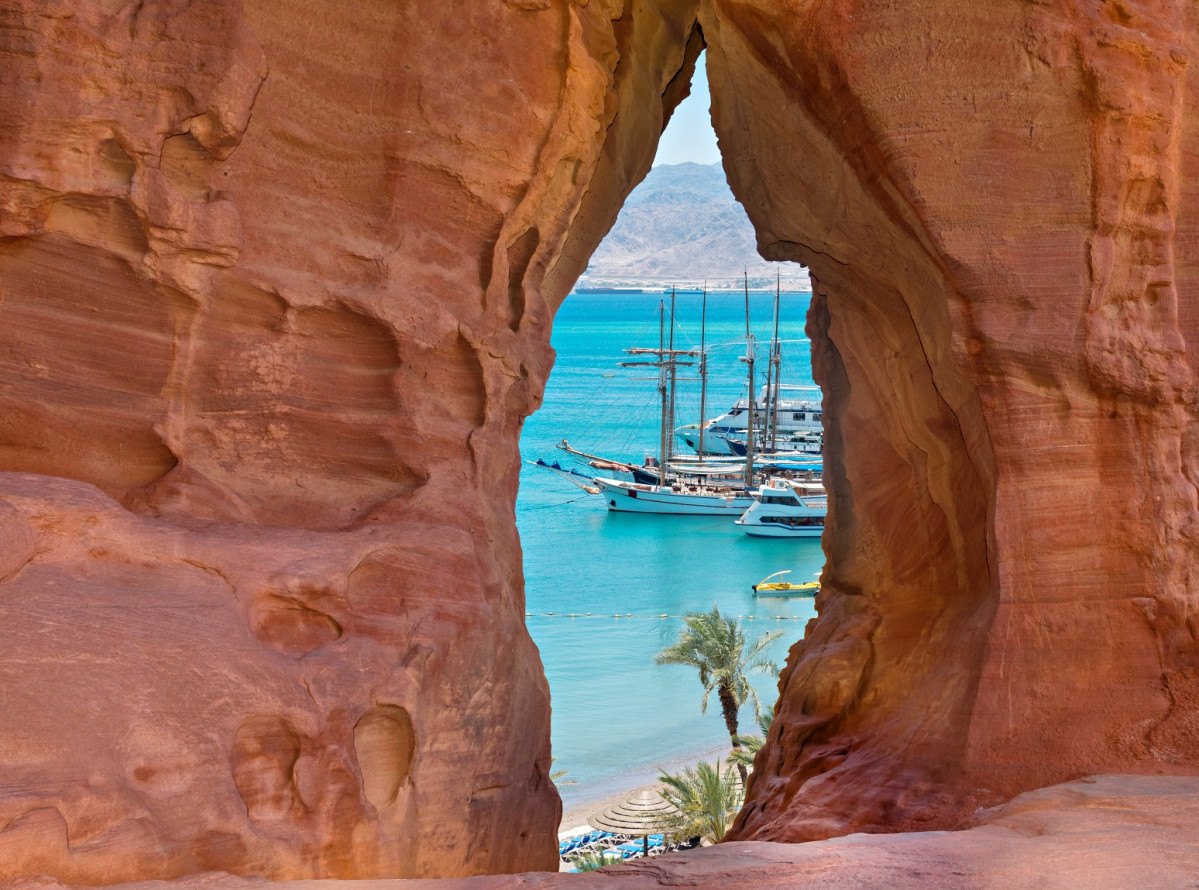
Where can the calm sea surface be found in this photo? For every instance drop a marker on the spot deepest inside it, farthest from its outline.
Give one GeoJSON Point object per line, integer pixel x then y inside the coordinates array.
{"type": "Point", "coordinates": [616, 716]}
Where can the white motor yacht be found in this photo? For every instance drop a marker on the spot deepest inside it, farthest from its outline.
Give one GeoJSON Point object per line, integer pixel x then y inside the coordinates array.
{"type": "Point", "coordinates": [797, 424]}
{"type": "Point", "coordinates": [785, 508]}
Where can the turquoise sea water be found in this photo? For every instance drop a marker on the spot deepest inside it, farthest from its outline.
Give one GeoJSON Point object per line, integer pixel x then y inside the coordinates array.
{"type": "Point", "coordinates": [617, 716]}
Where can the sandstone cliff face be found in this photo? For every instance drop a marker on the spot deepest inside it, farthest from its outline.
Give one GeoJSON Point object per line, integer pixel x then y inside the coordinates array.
{"type": "Point", "coordinates": [303, 656]}
{"type": "Point", "coordinates": [277, 281]}
{"type": "Point", "coordinates": [270, 278]}
{"type": "Point", "coordinates": [994, 200]}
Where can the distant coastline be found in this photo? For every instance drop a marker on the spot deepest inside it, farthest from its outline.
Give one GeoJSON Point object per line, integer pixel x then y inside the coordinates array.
{"type": "Point", "coordinates": [604, 289]}
{"type": "Point", "coordinates": [722, 287]}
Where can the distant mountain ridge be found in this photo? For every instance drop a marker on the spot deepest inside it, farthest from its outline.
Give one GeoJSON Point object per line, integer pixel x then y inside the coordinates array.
{"type": "Point", "coordinates": [683, 226]}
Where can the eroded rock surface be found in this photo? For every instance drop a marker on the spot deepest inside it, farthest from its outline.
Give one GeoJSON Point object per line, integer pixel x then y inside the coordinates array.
{"type": "Point", "coordinates": [276, 283]}
{"type": "Point", "coordinates": [996, 202]}
{"type": "Point", "coordinates": [185, 696]}
{"type": "Point", "coordinates": [271, 314]}
{"type": "Point", "coordinates": [1098, 833]}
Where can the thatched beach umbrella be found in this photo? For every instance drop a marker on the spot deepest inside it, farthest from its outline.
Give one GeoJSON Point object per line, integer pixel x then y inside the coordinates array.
{"type": "Point", "coordinates": [642, 814]}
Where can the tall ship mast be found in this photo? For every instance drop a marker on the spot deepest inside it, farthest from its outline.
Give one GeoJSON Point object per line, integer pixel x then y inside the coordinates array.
{"type": "Point", "coordinates": [749, 360]}
{"type": "Point", "coordinates": [667, 360]}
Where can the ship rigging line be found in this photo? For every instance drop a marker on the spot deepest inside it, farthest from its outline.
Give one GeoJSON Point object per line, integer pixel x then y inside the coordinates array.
{"type": "Point", "coordinates": [559, 503]}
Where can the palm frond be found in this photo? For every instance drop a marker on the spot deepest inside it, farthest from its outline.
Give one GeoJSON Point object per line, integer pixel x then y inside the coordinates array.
{"type": "Point", "coordinates": [706, 798]}
{"type": "Point", "coordinates": [759, 644]}
{"type": "Point", "coordinates": [593, 859]}
{"type": "Point", "coordinates": [716, 646]}
{"type": "Point", "coordinates": [752, 744]}
{"type": "Point", "coordinates": [765, 719]}
{"type": "Point", "coordinates": [556, 775]}
{"type": "Point", "coordinates": [744, 756]}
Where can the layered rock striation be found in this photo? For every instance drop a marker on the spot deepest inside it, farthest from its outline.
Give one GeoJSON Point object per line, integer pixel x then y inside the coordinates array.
{"type": "Point", "coordinates": [993, 200]}
{"type": "Point", "coordinates": [277, 280]}
{"type": "Point", "coordinates": [267, 342]}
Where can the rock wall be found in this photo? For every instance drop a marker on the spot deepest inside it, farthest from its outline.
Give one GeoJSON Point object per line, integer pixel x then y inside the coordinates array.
{"type": "Point", "coordinates": [271, 281]}
{"type": "Point", "coordinates": [995, 201]}
{"type": "Point", "coordinates": [1094, 834]}
{"type": "Point", "coordinates": [277, 279]}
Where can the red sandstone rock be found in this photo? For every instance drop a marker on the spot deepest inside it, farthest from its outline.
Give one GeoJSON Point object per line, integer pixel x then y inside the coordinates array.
{"type": "Point", "coordinates": [993, 198]}
{"type": "Point", "coordinates": [276, 283]}
{"type": "Point", "coordinates": [182, 696]}
{"type": "Point", "coordinates": [271, 314]}
{"type": "Point", "coordinates": [1099, 833]}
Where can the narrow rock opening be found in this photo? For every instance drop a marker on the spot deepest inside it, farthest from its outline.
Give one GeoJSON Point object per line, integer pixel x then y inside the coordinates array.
{"type": "Point", "coordinates": [327, 365]}
{"type": "Point", "coordinates": [679, 232]}
{"type": "Point", "coordinates": [876, 703]}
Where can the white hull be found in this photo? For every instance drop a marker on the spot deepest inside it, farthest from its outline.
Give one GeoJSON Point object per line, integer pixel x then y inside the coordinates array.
{"type": "Point", "coordinates": [799, 415]}
{"type": "Point", "coordinates": [627, 497]}
{"type": "Point", "coordinates": [781, 531]}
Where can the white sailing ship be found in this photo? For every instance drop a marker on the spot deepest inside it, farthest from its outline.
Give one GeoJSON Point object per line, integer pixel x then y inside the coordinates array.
{"type": "Point", "coordinates": [697, 495]}
{"type": "Point", "coordinates": [675, 485]}
{"type": "Point", "coordinates": [680, 498]}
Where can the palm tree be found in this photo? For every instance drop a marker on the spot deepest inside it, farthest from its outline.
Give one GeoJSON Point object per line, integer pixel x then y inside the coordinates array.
{"type": "Point", "coordinates": [716, 646]}
{"type": "Point", "coordinates": [707, 799]}
{"type": "Point", "coordinates": [751, 744]}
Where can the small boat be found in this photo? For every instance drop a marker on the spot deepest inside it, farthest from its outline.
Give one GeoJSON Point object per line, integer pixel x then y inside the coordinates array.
{"type": "Point", "coordinates": [769, 587]}
{"type": "Point", "coordinates": [785, 508]}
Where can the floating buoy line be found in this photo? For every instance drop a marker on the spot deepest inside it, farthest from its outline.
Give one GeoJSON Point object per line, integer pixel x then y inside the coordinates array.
{"type": "Point", "coordinates": [657, 617]}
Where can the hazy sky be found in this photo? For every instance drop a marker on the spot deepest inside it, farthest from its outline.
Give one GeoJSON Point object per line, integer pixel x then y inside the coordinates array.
{"type": "Point", "coordinates": [689, 135]}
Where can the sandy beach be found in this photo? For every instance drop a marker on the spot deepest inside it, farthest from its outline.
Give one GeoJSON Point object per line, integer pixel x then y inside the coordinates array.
{"type": "Point", "coordinates": [574, 820]}
{"type": "Point", "coordinates": [577, 807]}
